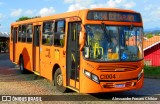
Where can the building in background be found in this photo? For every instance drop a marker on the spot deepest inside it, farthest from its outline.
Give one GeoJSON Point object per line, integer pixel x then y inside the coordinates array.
{"type": "Point", "coordinates": [4, 42]}
{"type": "Point", "coordinates": [151, 48]}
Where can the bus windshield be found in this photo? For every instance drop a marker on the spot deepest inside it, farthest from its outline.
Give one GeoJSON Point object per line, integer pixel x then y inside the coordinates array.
{"type": "Point", "coordinates": [113, 43]}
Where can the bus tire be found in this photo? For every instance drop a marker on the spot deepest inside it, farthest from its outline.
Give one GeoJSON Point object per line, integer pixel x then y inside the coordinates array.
{"type": "Point", "coordinates": [58, 80]}
{"type": "Point", "coordinates": [21, 66]}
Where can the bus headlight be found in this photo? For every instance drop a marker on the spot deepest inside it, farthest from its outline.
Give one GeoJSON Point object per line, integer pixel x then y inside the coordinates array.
{"type": "Point", "coordinates": [91, 76]}
{"type": "Point", "coordinates": [140, 75]}
{"type": "Point", "coordinates": [95, 78]}
{"type": "Point", "coordinates": [87, 73]}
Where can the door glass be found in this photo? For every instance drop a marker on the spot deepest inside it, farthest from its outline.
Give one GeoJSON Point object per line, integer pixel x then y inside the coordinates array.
{"type": "Point", "coordinates": [73, 55]}
{"type": "Point", "coordinates": [36, 49]}
{"type": "Point", "coordinates": [36, 35]}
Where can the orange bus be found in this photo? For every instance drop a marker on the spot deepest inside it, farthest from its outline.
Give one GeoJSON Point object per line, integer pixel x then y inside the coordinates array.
{"type": "Point", "coordinates": [88, 51]}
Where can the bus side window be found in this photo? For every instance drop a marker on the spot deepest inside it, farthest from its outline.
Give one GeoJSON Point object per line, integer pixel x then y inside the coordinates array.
{"type": "Point", "coordinates": [20, 33]}
{"type": "Point", "coordinates": [29, 33]}
{"type": "Point", "coordinates": [12, 32]}
{"type": "Point", "coordinates": [47, 37]}
{"type": "Point", "coordinates": [59, 33]}
{"type": "Point", "coordinates": [23, 33]}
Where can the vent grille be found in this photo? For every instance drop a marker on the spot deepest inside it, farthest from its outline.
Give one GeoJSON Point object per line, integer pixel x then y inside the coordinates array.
{"type": "Point", "coordinates": [117, 68]}
{"type": "Point", "coordinates": [111, 85]}
{"type": "Point", "coordinates": [128, 84]}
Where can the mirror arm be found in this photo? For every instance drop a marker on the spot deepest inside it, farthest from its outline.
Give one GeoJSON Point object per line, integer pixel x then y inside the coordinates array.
{"type": "Point", "coordinates": [82, 37]}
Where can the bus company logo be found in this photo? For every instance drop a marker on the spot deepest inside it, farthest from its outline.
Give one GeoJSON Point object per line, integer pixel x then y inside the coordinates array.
{"type": "Point", "coordinates": [6, 98]}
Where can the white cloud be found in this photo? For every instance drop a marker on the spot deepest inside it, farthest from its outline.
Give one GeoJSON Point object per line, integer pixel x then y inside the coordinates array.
{"type": "Point", "coordinates": [113, 3]}
{"type": "Point", "coordinates": [30, 12]}
{"type": "Point", "coordinates": [69, 1]}
{"type": "Point", "coordinates": [97, 5]}
{"type": "Point", "coordinates": [78, 4]}
{"type": "Point", "coordinates": [155, 14]}
{"type": "Point", "coordinates": [49, 0]}
{"type": "Point", "coordinates": [145, 1]}
{"type": "Point", "coordinates": [1, 15]}
{"type": "Point", "coordinates": [108, 4]}
{"type": "Point", "coordinates": [86, 2]}
{"type": "Point", "coordinates": [47, 11]}
{"type": "Point", "coordinates": [151, 18]}
{"type": "Point", "coordinates": [148, 7]}
{"type": "Point", "coordinates": [146, 20]}
{"type": "Point", "coordinates": [75, 7]}
{"type": "Point", "coordinates": [16, 12]}
{"type": "Point", "coordinates": [81, 4]}
{"type": "Point", "coordinates": [129, 5]}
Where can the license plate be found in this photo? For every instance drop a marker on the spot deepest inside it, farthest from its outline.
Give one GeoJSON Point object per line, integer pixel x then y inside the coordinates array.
{"type": "Point", "coordinates": [119, 85]}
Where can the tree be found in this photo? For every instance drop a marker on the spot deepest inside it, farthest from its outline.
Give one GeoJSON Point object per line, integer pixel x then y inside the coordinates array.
{"type": "Point", "coordinates": [23, 18]}
{"type": "Point", "coordinates": [149, 35]}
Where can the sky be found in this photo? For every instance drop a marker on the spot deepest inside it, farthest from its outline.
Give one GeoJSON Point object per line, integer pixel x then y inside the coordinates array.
{"type": "Point", "coordinates": [11, 10]}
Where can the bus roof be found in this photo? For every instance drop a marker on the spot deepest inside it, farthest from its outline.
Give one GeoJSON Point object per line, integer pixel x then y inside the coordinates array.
{"type": "Point", "coordinates": [70, 14]}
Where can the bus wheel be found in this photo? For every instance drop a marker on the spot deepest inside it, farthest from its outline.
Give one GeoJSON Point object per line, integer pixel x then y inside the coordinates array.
{"type": "Point", "coordinates": [21, 66]}
{"type": "Point", "coordinates": [58, 80]}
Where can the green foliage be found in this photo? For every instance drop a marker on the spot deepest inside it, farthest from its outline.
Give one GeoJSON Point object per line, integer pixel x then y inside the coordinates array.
{"type": "Point", "coordinates": [23, 18]}
{"type": "Point", "coordinates": [26, 18]}
{"type": "Point", "coordinates": [157, 34]}
{"type": "Point", "coordinates": [151, 71]}
{"type": "Point", "coordinates": [149, 35]}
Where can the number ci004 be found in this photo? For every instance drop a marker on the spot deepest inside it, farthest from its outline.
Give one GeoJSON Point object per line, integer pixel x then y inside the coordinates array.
{"type": "Point", "coordinates": [107, 76]}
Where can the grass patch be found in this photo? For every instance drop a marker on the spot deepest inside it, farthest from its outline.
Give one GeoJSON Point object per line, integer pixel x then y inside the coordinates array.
{"type": "Point", "coordinates": [151, 71]}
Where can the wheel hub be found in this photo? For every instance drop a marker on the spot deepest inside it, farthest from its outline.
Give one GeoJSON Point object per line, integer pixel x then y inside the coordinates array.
{"type": "Point", "coordinates": [59, 79]}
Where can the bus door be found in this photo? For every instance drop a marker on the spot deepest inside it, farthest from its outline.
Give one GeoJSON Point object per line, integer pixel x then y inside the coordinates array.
{"type": "Point", "coordinates": [73, 55]}
{"type": "Point", "coordinates": [36, 48]}
{"type": "Point", "coordinates": [14, 43]}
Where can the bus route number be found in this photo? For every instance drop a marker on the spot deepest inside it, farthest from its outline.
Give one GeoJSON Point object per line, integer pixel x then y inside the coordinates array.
{"type": "Point", "coordinates": [107, 76]}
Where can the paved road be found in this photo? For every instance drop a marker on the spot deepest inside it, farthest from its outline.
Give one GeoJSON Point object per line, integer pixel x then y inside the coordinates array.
{"type": "Point", "coordinates": [12, 82]}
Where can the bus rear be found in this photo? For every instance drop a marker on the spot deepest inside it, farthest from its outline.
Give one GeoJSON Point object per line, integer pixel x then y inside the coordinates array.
{"type": "Point", "coordinates": [111, 51]}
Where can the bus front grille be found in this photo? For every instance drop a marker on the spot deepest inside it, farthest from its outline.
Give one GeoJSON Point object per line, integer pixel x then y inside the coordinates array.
{"type": "Point", "coordinates": [117, 68]}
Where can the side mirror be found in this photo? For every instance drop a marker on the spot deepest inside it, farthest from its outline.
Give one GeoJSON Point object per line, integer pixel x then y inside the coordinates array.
{"type": "Point", "coordinates": [82, 37]}
{"type": "Point", "coordinates": [81, 40]}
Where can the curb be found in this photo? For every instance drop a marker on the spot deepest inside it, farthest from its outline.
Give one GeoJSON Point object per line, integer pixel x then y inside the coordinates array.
{"type": "Point", "coordinates": [152, 77]}
{"type": "Point", "coordinates": [4, 54]}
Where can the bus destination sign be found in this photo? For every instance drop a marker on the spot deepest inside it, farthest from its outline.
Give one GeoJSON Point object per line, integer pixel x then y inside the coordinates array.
{"type": "Point", "coordinates": [114, 16]}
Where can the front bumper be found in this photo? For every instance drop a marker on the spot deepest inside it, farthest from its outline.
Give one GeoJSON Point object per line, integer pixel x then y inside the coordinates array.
{"type": "Point", "coordinates": [89, 86]}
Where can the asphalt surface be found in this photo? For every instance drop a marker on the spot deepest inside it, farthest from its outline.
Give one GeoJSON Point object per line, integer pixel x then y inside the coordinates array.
{"type": "Point", "coordinates": [12, 82]}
